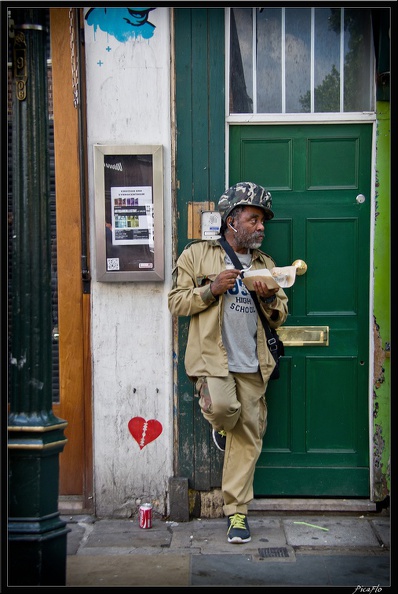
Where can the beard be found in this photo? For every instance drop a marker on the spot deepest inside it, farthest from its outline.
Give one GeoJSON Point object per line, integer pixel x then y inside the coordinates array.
{"type": "Point", "coordinates": [247, 240]}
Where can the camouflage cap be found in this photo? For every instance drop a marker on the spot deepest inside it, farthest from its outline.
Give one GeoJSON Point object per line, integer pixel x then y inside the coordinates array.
{"type": "Point", "coordinates": [245, 194]}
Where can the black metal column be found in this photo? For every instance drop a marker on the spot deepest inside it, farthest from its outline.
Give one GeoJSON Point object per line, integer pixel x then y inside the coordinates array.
{"type": "Point", "coordinates": [36, 533]}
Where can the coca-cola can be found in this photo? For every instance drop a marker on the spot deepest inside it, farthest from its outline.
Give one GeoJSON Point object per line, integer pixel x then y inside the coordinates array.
{"type": "Point", "coordinates": [146, 515]}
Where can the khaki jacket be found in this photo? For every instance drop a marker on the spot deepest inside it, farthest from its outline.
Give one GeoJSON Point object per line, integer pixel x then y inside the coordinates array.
{"type": "Point", "coordinates": [205, 355]}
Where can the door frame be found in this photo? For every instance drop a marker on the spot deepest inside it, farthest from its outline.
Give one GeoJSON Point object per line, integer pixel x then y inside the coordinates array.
{"type": "Point", "coordinates": [75, 406]}
{"type": "Point", "coordinates": [307, 119]}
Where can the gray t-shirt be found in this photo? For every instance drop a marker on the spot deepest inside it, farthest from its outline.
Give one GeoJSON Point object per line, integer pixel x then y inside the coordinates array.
{"type": "Point", "coordinates": [239, 330]}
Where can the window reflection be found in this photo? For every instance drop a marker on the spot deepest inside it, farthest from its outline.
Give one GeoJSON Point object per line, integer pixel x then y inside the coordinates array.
{"type": "Point", "coordinates": [297, 58]}
{"type": "Point", "coordinates": [269, 60]}
{"type": "Point", "coordinates": [357, 66]}
{"type": "Point", "coordinates": [241, 70]}
{"type": "Point", "coordinates": [305, 61]}
{"type": "Point", "coordinates": [327, 59]}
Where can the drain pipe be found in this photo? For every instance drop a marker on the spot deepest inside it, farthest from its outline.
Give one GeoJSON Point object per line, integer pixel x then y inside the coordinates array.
{"type": "Point", "coordinates": [86, 275]}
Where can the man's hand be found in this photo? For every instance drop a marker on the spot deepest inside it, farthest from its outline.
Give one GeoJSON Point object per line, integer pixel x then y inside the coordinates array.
{"type": "Point", "coordinates": [263, 291]}
{"type": "Point", "coordinates": [224, 281]}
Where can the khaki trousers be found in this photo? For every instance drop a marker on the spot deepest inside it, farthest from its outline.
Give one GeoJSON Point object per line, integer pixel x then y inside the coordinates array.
{"type": "Point", "coordinates": [237, 405]}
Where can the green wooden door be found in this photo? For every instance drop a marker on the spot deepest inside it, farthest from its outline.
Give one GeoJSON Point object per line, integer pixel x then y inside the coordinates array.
{"type": "Point", "coordinates": [200, 176]}
{"type": "Point", "coordinates": [317, 440]}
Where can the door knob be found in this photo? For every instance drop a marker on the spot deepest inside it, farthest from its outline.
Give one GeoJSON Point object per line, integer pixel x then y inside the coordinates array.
{"type": "Point", "coordinates": [301, 267]}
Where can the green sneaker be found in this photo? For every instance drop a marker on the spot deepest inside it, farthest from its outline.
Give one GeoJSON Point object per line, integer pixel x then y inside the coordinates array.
{"type": "Point", "coordinates": [220, 439]}
{"type": "Point", "coordinates": [238, 529]}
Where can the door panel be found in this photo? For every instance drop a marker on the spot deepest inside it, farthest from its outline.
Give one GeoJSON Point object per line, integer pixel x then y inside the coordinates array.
{"type": "Point", "coordinates": [317, 437]}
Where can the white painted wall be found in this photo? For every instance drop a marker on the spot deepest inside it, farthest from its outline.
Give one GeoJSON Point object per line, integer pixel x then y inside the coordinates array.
{"type": "Point", "coordinates": [128, 102]}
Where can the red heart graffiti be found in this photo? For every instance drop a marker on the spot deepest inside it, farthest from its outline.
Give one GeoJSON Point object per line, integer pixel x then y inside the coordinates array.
{"type": "Point", "coordinates": [144, 431]}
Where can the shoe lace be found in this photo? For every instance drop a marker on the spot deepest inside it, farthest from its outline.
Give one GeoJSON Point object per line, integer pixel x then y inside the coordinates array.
{"type": "Point", "coordinates": [237, 521]}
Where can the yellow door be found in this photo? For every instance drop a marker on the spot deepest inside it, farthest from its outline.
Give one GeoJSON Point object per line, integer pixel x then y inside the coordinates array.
{"type": "Point", "coordinates": [74, 403]}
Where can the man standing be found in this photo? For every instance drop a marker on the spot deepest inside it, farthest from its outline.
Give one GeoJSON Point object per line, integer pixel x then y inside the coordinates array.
{"type": "Point", "coordinates": [227, 355]}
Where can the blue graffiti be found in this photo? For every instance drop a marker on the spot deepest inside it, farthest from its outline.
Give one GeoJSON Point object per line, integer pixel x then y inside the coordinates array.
{"type": "Point", "coordinates": [122, 23]}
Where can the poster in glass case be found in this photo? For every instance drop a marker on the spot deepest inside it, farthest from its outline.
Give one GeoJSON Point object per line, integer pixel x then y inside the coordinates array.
{"type": "Point", "coordinates": [129, 213]}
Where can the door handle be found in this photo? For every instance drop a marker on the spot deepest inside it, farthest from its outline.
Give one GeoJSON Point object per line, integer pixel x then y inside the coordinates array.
{"type": "Point", "coordinates": [301, 267]}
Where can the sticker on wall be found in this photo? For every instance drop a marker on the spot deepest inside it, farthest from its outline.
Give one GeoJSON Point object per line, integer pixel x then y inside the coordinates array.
{"type": "Point", "coordinates": [122, 23]}
{"type": "Point", "coordinates": [144, 431]}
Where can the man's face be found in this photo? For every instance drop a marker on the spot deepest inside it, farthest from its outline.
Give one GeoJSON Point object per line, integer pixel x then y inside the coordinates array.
{"type": "Point", "coordinates": [249, 225]}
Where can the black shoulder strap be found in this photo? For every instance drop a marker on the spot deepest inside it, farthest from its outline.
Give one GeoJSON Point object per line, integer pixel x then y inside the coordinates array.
{"type": "Point", "coordinates": [237, 263]}
{"type": "Point", "coordinates": [228, 248]}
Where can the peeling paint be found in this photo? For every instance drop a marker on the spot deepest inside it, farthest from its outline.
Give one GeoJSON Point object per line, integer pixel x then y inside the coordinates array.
{"type": "Point", "coordinates": [211, 504]}
{"type": "Point", "coordinates": [21, 363]}
{"type": "Point", "coordinates": [186, 397]}
{"type": "Point", "coordinates": [380, 483]}
{"type": "Point", "coordinates": [382, 307]}
{"type": "Point", "coordinates": [379, 356]}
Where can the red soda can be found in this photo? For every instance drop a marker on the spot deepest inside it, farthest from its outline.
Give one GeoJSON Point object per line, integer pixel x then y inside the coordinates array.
{"type": "Point", "coordinates": [146, 515]}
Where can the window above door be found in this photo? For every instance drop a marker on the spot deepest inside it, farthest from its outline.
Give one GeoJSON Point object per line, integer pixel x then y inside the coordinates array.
{"type": "Point", "coordinates": [300, 61]}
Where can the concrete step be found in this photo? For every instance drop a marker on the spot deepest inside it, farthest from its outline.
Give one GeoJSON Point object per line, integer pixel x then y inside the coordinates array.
{"type": "Point", "coordinates": [314, 504]}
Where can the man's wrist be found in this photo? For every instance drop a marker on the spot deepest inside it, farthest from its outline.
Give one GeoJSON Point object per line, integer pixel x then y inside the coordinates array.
{"type": "Point", "coordinates": [268, 300]}
{"type": "Point", "coordinates": [207, 294]}
{"type": "Point", "coordinates": [211, 290]}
